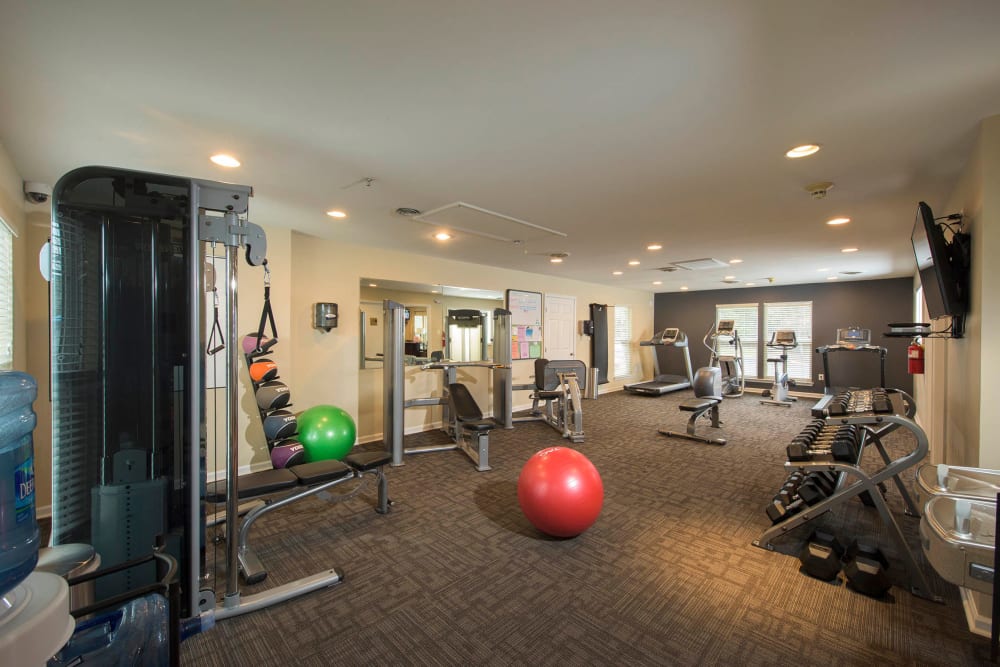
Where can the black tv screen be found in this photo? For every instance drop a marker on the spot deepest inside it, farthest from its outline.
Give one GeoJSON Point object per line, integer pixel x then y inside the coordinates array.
{"type": "Point", "coordinates": [939, 276]}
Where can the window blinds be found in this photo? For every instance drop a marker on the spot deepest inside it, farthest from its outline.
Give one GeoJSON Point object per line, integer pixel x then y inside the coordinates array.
{"type": "Point", "coordinates": [796, 316]}
{"type": "Point", "coordinates": [623, 342]}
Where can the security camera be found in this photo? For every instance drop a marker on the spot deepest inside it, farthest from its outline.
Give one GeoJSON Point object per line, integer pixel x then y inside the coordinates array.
{"type": "Point", "coordinates": [37, 193]}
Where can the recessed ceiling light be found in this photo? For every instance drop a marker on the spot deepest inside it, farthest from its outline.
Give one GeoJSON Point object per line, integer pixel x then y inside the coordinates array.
{"type": "Point", "coordinates": [224, 160]}
{"type": "Point", "coordinates": [616, 273]}
{"type": "Point", "coordinates": [442, 236]}
{"type": "Point", "coordinates": [730, 278]}
{"type": "Point", "coordinates": [654, 246]}
{"type": "Point", "coordinates": [633, 262]}
{"type": "Point", "coordinates": [683, 288]}
{"type": "Point", "coordinates": [336, 214]}
{"type": "Point", "coordinates": [735, 261]}
{"type": "Point", "coordinates": [657, 282]}
{"type": "Point", "coordinates": [831, 277]}
{"type": "Point", "coordinates": [838, 221]}
{"type": "Point", "coordinates": [802, 151]}
{"type": "Point", "coordinates": [372, 285]}
{"type": "Point", "coordinates": [556, 260]}
{"type": "Point", "coordinates": [822, 270]}
{"type": "Point", "coordinates": [749, 284]}
{"type": "Point", "coordinates": [848, 250]}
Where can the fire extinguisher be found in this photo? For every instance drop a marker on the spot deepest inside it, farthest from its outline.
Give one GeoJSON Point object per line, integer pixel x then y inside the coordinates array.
{"type": "Point", "coordinates": [915, 358]}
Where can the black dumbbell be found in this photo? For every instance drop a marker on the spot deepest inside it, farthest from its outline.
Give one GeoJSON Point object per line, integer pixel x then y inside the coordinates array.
{"type": "Point", "coordinates": [777, 511]}
{"type": "Point", "coordinates": [812, 491]}
{"type": "Point", "coordinates": [865, 568]}
{"type": "Point", "coordinates": [820, 556]}
{"type": "Point", "coordinates": [845, 450]}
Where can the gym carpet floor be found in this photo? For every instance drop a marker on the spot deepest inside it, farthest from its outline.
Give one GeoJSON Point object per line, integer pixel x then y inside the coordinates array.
{"type": "Point", "coordinates": [455, 575]}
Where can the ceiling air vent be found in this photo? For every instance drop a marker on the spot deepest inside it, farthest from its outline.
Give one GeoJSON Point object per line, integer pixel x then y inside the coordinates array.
{"type": "Point", "coordinates": [700, 264]}
{"type": "Point", "coordinates": [850, 273]}
{"type": "Point", "coordinates": [668, 269]}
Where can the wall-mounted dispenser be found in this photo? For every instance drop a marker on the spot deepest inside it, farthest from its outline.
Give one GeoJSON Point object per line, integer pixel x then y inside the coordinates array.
{"type": "Point", "coordinates": [325, 316]}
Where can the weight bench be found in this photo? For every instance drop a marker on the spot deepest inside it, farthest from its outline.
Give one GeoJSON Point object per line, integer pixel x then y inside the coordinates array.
{"type": "Point", "coordinates": [699, 406]}
{"type": "Point", "coordinates": [468, 425]}
{"type": "Point", "coordinates": [303, 480]}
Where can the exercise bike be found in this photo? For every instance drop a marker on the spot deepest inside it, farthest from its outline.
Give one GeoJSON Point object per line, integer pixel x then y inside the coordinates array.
{"type": "Point", "coordinates": [730, 365]}
{"type": "Point", "coordinates": [778, 393]}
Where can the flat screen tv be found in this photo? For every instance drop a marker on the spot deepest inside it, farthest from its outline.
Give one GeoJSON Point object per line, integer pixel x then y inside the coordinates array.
{"type": "Point", "coordinates": [943, 274]}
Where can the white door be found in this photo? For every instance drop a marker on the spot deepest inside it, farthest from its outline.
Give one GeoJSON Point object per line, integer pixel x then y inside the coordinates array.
{"type": "Point", "coordinates": [559, 327]}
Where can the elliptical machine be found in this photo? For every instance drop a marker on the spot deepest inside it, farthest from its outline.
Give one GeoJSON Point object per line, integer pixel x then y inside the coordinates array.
{"type": "Point", "coordinates": [730, 365]}
{"type": "Point", "coordinates": [778, 393]}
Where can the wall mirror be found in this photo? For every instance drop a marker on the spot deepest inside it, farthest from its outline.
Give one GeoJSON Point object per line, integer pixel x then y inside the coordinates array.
{"type": "Point", "coordinates": [442, 321]}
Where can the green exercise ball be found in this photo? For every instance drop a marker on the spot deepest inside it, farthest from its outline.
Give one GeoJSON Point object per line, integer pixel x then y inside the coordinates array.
{"type": "Point", "coordinates": [326, 432]}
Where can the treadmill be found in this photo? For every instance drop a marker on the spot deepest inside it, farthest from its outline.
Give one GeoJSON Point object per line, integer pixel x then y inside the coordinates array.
{"type": "Point", "coordinates": [664, 383]}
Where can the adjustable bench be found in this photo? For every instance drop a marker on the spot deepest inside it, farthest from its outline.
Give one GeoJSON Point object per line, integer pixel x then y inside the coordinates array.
{"type": "Point", "coordinates": [467, 420]}
{"type": "Point", "coordinates": [303, 480]}
{"type": "Point", "coordinates": [699, 406]}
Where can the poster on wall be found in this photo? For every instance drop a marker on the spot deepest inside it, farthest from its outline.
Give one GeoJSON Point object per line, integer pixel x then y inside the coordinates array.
{"type": "Point", "coordinates": [525, 324]}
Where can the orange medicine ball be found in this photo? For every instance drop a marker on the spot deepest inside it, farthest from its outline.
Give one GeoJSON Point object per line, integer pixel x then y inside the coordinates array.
{"type": "Point", "coordinates": [264, 370]}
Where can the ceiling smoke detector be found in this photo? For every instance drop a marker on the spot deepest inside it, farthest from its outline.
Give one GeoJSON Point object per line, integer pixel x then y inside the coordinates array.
{"type": "Point", "coordinates": [819, 190]}
{"type": "Point", "coordinates": [407, 212]}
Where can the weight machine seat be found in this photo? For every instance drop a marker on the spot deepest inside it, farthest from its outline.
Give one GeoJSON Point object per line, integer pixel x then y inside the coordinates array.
{"type": "Point", "coordinates": [548, 395]}
{"type": "Point", "coordinates": [699, 404]}
{"type": "Point", "coordinates": [365, 461]}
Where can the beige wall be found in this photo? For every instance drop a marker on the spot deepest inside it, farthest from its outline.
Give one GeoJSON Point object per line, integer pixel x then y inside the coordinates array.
{"type": "Point", "coordinates": [962, 373]}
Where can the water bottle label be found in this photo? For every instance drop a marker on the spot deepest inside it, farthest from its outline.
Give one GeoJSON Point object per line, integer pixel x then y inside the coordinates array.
{"type": "Point", "coordinates": [24, 490]}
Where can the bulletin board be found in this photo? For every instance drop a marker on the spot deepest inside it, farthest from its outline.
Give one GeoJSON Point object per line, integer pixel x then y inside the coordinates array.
{"type": "Point", "coordinates": [525, 324]}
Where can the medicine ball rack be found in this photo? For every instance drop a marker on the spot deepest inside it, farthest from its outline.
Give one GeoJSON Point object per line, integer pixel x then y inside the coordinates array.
{"type": "Point", "coordinates": [875, 413]}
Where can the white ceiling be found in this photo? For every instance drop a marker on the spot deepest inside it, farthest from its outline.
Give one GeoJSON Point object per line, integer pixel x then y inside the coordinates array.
{"type": "Point", "coordinates": [617, 123]}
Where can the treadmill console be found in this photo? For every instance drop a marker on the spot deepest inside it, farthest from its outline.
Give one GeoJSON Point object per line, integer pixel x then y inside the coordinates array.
{"type": "Point", "coordinates": [669, 336]}
{"type": "Point", "coordinates": [854, 337]}
{"type": "Point", "coordinates": [725, 327]}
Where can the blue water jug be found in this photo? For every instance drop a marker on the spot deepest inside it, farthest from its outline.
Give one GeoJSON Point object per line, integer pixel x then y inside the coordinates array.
{"type": "Point", "coordinates": [18, 527]}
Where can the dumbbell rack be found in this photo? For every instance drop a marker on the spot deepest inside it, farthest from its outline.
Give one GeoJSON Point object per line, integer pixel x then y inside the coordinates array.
{"type": "Point", "coordinates": [854, 481]}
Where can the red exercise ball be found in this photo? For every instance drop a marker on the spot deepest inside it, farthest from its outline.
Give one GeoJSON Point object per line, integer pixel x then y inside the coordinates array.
{"type": "Point", "coordinates": [560, 491]}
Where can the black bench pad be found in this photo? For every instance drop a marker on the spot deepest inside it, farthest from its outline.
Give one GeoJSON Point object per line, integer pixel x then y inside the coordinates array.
{"type": "Point", "coordinates": [318, 472]}
{"type": "Point", "coordinates": [367, 460]}
{"type": "Point", "coordinates": [478, 425]}
{"type": "Point", "coordinates": [696, 404]}
{"type": "Point", "coordinates": [253, 484]}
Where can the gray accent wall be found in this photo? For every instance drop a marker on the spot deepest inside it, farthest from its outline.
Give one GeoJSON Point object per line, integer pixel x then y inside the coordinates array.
{"type": "Point", "coordinates": [869, 304]}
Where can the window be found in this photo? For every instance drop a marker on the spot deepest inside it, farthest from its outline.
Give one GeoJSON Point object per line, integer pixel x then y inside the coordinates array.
{"type": "Point", "coordinates": [797, 316]}
{"type": "Point", "coordinates": [745, 316]}
{"type": "Point", "coordinates": [623, 342]}
{"type": "Point", "coordinates": [6, 297]}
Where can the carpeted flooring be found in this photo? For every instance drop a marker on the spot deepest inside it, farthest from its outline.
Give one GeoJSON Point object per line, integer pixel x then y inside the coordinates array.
{"type": "Point", "coordinates": [455, 575]}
